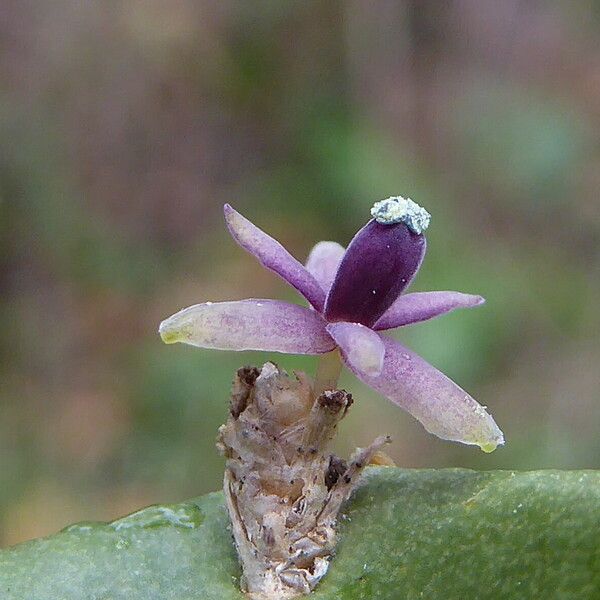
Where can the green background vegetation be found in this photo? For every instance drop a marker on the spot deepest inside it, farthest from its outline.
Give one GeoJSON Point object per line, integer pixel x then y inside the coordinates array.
{"type": "Point", "coordinates": [124, 127]}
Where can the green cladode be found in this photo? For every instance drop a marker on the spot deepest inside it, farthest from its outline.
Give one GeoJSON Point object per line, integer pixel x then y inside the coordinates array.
{"type": "Point", "coordinates": [405, 534]}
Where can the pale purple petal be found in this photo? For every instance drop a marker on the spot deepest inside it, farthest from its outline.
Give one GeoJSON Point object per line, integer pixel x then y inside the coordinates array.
{"type": "Point", "coordinates": [421, 306]}
{"type": "Point", "coordinates": [438, 403]}
{"type": "Point", "coordinates": [378, 265]}
{"type": "Point", "coordinates": [323, 262]}
{"type": "Point", "coordinates": [274, 256]}
{"type": "Point", "coordinates": [361, 347]}
{"type": "Point", "coordinates": [249, 325]}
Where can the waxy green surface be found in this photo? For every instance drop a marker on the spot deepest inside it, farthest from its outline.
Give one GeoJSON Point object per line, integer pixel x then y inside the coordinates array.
{"type": "Point", "coordinates": [405, 534]}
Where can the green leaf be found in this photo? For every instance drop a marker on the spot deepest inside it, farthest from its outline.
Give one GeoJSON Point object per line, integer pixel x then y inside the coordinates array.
{"type": "Point", "coordinates": [405, 534]}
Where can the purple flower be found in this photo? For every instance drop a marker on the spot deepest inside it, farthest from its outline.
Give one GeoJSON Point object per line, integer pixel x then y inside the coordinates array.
{"type": "Point", "coordinates": [354, 294]}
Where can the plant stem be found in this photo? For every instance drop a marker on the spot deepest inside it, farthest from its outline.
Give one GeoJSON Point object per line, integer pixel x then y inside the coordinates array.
{"type": "Point", "coordinates": [328, 372]}
{"type": "Point", "coordinates": [283, 487]}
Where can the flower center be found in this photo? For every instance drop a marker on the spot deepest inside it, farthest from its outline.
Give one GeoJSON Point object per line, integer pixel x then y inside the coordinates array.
{"type": "Point", "coordinates": [397, 209]}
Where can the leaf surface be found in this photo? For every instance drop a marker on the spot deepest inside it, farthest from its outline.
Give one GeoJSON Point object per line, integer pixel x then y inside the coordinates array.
{"type": "Point", "coordinates": [409, 534]}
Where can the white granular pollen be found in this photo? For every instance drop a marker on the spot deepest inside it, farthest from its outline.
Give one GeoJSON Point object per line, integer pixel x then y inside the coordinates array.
{"type": "Point", "coordinates": [397, 209]}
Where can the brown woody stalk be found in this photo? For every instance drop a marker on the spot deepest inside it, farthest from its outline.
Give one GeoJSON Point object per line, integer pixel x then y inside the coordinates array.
{"type": "Point", "coordinates": [283, 489]}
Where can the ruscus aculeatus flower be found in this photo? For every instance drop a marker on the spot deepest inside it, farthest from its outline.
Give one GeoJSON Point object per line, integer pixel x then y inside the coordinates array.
{"type": "Point", "coordinates": [354, 295]}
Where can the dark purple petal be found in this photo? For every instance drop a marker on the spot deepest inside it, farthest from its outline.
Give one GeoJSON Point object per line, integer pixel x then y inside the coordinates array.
{"type": "Point", "coordinates": [437, 402]}
{"type": "Point", "coordinates": [421, 306]}
{"type": "Point", "coordinates": [323, 262]}
{"type": "Point", "coordinates": [362, 347]}
{"type": "Point", "coordinates": [249, 325]}
{"type": "Point", "coordinates": [274, 256]}
{"type": "Point", "coordinates": [378, 265]}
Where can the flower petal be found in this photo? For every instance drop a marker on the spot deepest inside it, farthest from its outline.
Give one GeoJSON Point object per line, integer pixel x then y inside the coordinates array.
{"type": "Point", "coordinates": [323, 262]}
{"type": "Point", "coordinates": [272, 255]}
{"type": "Point", "coordinates": [421, 306]}
{"type": "Point", "coordinates": [379, 263]}
{"type": "Point", "coordinates": [361, 346]}
{"type": "Point", "coordinates": [249, 325]}
{"type": "Point", "coordinates": [437, 402]}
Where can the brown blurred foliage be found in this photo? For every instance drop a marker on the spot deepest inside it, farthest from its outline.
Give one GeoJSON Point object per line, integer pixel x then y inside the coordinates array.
{"type": "Point", "coordinates": [125, 125]}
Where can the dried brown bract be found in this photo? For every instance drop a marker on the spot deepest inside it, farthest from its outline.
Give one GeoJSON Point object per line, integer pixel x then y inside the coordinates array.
{"type": "Point", "coordinates": [283, 489]}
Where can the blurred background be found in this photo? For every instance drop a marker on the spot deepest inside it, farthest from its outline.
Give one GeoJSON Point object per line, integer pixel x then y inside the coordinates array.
{"type": "Point", "coordinates": [124, 127]}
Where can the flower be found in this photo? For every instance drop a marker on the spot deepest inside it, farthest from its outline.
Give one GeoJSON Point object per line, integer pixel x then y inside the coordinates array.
{"type": "Point", "coordinates": [354, 295]}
